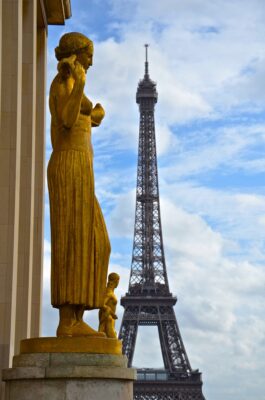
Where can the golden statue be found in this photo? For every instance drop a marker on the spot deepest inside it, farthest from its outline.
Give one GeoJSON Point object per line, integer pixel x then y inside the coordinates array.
{"type": "Point", "coordinates": [80, 245]}
{"type": "Point", "coordinates": [107, 314]}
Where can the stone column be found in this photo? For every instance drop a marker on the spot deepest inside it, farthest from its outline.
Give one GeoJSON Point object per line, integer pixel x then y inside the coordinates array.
{"type": "Point", "coordinates": [10, 150]}
{"type": "Point", "coordinates": [27, 172]}
{"type": "Point", "coordinates": [40, 170]}
{"type": "Point", "coordinates": [1, 9]}
{"type": "Point", "coordinates": [22, 149]}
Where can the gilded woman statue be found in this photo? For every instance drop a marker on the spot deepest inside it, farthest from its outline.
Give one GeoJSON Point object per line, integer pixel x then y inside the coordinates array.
{"type": "Point", "coordinates": [80, 245]}
{"type": "Point", "coordinates": [107, 314]}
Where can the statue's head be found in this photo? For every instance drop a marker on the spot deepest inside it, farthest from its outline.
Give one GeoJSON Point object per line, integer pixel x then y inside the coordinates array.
{"type": "Point", "coordinates": [113, 279]}
{"type": "Point", "coordinates": [74, 43]}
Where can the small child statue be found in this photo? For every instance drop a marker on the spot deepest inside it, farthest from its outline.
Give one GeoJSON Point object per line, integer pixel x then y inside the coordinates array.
{"type": "Point", "coordinates": [107, 314]}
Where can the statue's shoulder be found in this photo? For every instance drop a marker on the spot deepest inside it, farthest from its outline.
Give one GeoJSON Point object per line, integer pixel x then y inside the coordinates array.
{"type": "Point", "coordinates": [61, 87]}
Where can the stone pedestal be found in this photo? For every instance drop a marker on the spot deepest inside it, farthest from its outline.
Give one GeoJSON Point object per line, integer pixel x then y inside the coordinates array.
{"type": "Point", "coordinates": [69, 376]}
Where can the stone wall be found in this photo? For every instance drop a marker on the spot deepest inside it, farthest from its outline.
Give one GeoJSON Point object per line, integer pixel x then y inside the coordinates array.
{"type": "Point", "coordinates": [23, 36]}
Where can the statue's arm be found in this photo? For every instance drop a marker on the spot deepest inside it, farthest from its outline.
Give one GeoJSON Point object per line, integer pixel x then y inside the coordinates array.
{"type": "Point", "coordinates": [65, 99]}
{"type": "Point", "coordinates": [97, 115]}
{"type": "Point", "coordinates": [71, 110]}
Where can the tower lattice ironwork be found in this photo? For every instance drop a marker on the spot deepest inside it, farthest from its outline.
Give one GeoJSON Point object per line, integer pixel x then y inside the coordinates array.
{"type": "Point", "coordinates": [148, 300]}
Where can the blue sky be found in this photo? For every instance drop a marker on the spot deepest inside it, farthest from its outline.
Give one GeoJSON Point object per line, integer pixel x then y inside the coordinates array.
{"type": "Point", "coordinates": [208, 59]}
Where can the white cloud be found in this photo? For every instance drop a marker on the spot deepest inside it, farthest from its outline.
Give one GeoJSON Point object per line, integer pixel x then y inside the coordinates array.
{"type": "Point", "coordinates": [234, 213]}
{"type": "Point", "coordinates": [147, 352]}
{"type": "Point", "coordinates": [221, 301]}
{"type": "Point", "coordinates": [199, 47]}
{"type": "Point", "coordinates": [46, 263]}
{"type": "Point", "coordinates": [219, 297]}
{"type": "Point", "coordinates": [189, 234]}
{"type": "Point", "coordinates": [121, 219]}
{"type": "Point", "coordinates": [208, 60]}
{"type": "Point", "coordinates": [199, 60]}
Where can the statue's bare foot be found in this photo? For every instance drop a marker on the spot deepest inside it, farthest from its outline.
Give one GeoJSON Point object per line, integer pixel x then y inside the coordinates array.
{"type": "Point", "coordinates": [111, 334]}
{"type": "Point", "coordinates": [65, 328]}
{"type": "Point", "coordinates": [82, 329]}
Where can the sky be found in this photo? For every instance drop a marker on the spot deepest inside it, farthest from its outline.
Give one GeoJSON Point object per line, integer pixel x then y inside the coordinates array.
{"type": "Point", "coordinates": [208, 60]}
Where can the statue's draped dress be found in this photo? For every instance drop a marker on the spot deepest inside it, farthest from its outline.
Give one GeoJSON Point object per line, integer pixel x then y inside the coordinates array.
{"type": "Point", "coordinates": [80, 245]}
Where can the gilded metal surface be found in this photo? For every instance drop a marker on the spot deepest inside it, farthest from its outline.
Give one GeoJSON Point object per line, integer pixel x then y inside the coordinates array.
{"type": "Point", "coordinates": [96, 345]}
{"type": "Point", "coordinates": [107, 314]}
{"type": "Point", "coordinates": [80, 246]}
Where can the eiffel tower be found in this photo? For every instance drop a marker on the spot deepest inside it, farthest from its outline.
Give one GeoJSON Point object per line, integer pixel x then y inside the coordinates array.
{"type": "Point", "coordinates": [148, 301]}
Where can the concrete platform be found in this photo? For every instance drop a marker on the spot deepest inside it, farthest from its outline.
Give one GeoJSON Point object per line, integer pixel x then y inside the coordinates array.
{"type": "Point", "coordinates": [69, 376]}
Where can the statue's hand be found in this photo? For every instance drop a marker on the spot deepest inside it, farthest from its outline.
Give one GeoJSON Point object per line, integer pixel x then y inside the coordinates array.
{"type": "Point", "coordinates": [79, 73]}
{"type": "Point", "coordinates": [99, 111]}
{"type": "Point", "coordinates": [66, 66]}
{"type": "Point", "coordinates": [113, 315]}
{"type": "Point", "coordinates": [97, 114]}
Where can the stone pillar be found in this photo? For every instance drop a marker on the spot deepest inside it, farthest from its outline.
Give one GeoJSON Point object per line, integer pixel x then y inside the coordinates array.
{"type": "Point", "coordinates": [1, 9]}
{"type": "Point", "coordinates": [27, 172]}
{"type": "Point", "coordinates": [22, 149]}
{"type": "Point", "coordinates": [68, 376]}
{"type": "Point", "coordinates": [23, 32]}
{"type": "Point", "coordinates": [39, 186]}
{"type": "Point", "coordinates": [10, 150]}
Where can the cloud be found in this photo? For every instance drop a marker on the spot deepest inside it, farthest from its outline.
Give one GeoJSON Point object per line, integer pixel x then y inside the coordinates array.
{"type": "Point", "coordinates": [147, 352]}
{"type": "Point", "coordinates": [211, 149]}
{"type": "Point", "coordinates": [236, 214]}
{"type": "Point", "coordinates": [221, 302]}
{"type": "Point", "coordinates": [121, 219]}
{"type": "Point", "coordinates": [208, 61]}
{"type": "Point", "coordinates": [199, 60]}
{"type": "Point", "coordinates": [219, 296]}
{"type": "Point", "coordinates": [50, 316]}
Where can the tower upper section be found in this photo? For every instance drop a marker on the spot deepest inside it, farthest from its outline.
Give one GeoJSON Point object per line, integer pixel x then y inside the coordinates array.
{"type": "Point", "coordinates": [148, 271]}
{"type": "Point", "coordinates": [146, 95]}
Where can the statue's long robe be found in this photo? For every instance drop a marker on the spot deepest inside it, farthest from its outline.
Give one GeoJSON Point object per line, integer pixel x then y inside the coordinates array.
{"type": "Point", "coordinates": [80, 245]}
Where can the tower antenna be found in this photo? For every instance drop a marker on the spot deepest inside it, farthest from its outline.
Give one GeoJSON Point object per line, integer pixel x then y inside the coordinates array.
{"type": "Point", "coordinates": [146, 60]}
